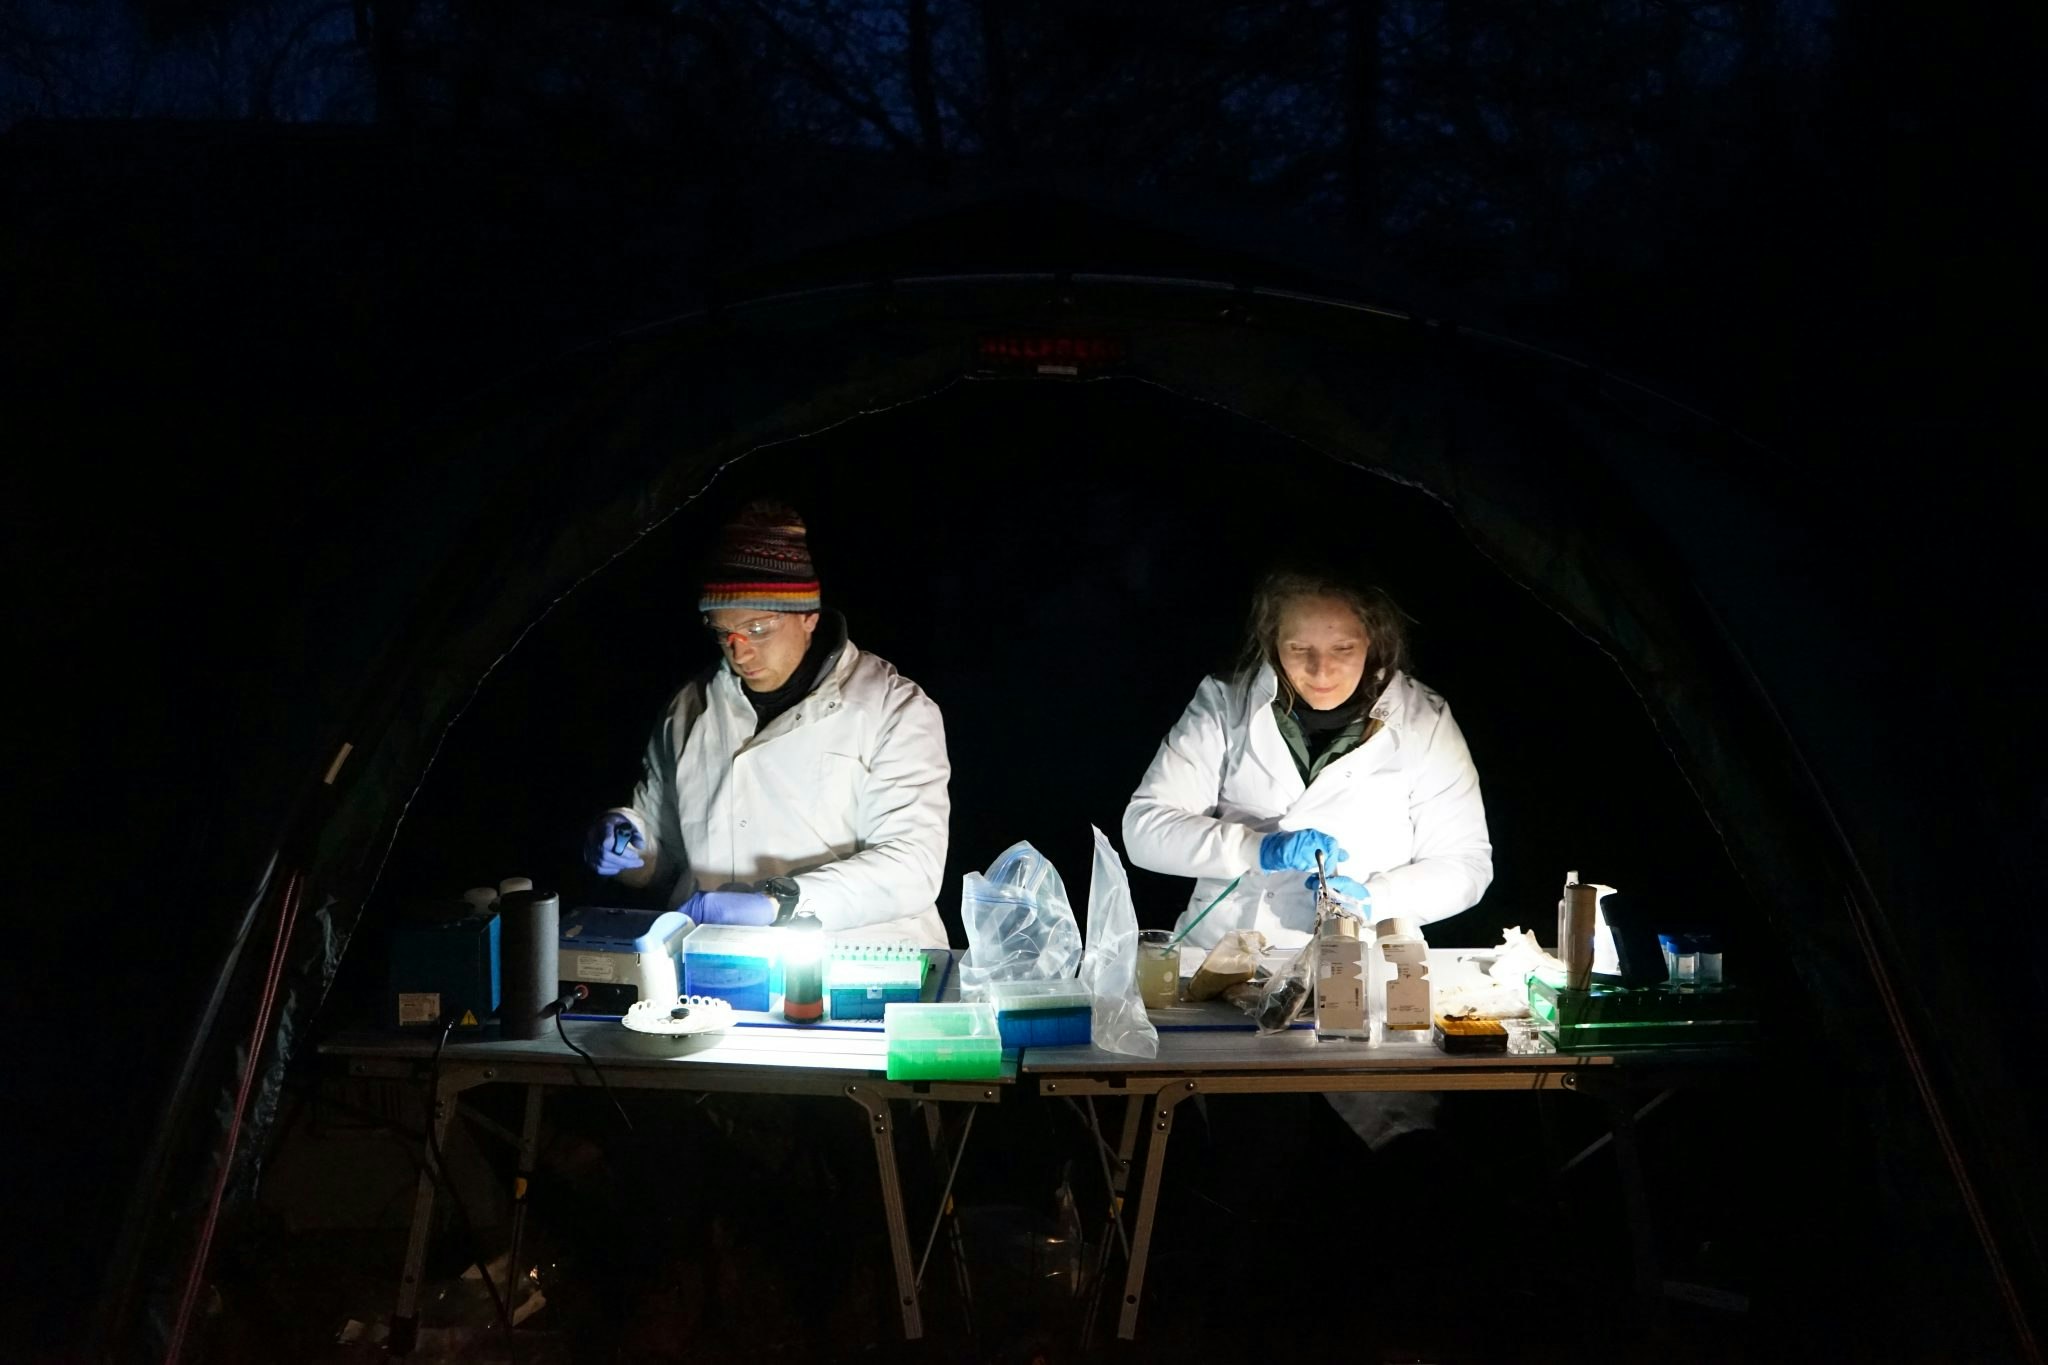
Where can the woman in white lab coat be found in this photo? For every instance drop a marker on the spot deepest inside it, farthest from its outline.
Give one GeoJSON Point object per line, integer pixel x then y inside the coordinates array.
{"type": "Point", "coordinates": [1319, 739]}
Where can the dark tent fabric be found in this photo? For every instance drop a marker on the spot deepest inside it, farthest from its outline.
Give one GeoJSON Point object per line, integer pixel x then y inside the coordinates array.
{"type": "Point", "coordinates": [1592, 493]}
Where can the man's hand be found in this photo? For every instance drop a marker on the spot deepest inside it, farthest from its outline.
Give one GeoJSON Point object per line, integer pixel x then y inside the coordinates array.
{"type": "Point", "coordinates": [1294, 850]}
{"type": "Point", "coordinates": [612, 845]}
{"type": "Point", "coordinates": [730, 907]}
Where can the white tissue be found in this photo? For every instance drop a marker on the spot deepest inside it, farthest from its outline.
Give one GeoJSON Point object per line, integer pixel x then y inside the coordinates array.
{"type": "Point", "coordinates": [1491, 985]}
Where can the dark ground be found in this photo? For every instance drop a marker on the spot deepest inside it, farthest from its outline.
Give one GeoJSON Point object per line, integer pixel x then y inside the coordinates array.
{"type": "Point", "coordinates": [668, 1245]}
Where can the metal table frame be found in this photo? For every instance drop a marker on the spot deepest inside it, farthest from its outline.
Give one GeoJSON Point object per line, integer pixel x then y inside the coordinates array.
{"type": "Point", "coordinates": [1245, 1064]}
{"type": "Point", "coordinates": [743, 1061]}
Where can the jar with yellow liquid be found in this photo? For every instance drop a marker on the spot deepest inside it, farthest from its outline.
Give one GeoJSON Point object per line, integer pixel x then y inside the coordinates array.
{"type": "Point", "coordinates": [1158, 969]}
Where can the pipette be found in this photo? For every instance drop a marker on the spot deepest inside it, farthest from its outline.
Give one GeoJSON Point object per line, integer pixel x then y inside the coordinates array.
{"type": "Point", "coordinates": [1206, 909]}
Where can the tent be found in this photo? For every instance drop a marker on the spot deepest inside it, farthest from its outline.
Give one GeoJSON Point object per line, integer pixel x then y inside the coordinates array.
{"type": "Point", "coordinates": [1607, 502]}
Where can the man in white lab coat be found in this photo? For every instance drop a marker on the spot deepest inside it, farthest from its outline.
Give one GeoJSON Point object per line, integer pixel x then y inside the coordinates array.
{"type": "Point", "coordinates": [800, 772]}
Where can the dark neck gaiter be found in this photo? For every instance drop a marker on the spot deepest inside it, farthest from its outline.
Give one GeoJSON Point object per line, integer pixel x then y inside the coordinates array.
{"type": "Point", "coordinates": [826, 642]}
{"type": "Point", "coordinates": [1313, 722]}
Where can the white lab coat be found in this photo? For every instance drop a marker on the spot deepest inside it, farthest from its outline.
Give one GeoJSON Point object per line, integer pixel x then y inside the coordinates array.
{"type": "Point", "coordinates": [845, 791]}
{"type": "Point", "coordinates": [1405, 806]}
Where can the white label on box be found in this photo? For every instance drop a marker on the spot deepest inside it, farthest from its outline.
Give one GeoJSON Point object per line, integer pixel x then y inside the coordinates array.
{"type": "Point", "coordinates": [419, 1007]}
{"type": "Point", "coordinates": [594, 967]}
{"type": "Point", "coordinates": [1408, 997]}
{"type": "Point", "coordinates": [1340, 986]}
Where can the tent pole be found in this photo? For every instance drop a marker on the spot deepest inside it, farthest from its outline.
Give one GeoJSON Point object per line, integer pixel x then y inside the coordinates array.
{"type": "Point", "coordinates": [117, 1299]}
{"type": "Point", "coordinates": [288, 912]}
{"type": "Point", "coordinates": [1860, 921]}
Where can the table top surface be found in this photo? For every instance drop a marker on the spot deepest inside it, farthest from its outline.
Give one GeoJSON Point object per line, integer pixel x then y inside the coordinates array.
{"type": "Point", "coordinates": [783, 1047]}
{"type": "Point", "coordinates": [1194, 1039]}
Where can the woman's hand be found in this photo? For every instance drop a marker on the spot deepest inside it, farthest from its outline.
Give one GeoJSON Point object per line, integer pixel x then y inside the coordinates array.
{"type": "Point", "coordinates": [1344, 886]}
{"type": "Point", "coordinates": [1294, 850]}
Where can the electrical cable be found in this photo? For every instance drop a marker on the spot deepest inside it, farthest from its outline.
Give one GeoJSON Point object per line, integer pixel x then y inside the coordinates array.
{"type": "Point", "coordinates": [421, 1165]}
{"type": "Point", "coordinates": [576, 995]}
{"type": "Point", "coordinates": [440, 1177]}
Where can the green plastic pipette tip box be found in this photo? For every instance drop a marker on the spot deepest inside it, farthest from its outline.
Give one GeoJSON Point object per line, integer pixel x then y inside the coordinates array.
{"type": "Point", "coordinates": [1613, 1018]}
{"type": "Point", "coordinates": [943, 1042]}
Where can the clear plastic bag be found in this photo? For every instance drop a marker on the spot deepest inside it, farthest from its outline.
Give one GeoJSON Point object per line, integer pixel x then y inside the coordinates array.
{"type": "Point", "coordinates": [1109, 969]}
{"type": "Point", "coordinates": [1284, 994]}
{"type": "Point", "coordinates": [1020, 925]}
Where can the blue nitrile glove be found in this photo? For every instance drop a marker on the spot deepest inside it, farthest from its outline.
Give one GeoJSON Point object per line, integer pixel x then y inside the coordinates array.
{"type": "Point", "coordinates": [1345, 887]}
{"type": "Point", "coordinates": [610, 846]}
{"type": "Point", "coordinates": [730, 907]}
{"type": "Point", "coordinates": [1295, 850]}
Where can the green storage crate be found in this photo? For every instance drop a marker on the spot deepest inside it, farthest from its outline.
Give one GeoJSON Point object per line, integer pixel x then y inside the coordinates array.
{"type": "Point", "coordinates": [1604, 1018]}
{"type": "Point", "coordinates": [949, 1042]}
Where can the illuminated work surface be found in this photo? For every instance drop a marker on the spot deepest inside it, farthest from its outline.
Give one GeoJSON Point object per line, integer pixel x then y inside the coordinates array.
{"type": "Point", "coordinates": [837, 1053]}
{"type": "Point", "coordinates": [1295, 1050]}
{"type": "Point", "coordinates": [1211, 1038]}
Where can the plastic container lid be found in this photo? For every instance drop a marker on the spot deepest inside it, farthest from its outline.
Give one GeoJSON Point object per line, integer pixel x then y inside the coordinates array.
{"type": "Point", "coordinates": [1060, 993]}
{"type": "Point", "coordinates": [621, 931]}
{"type": "Point", "coordinates": [948, 1021]}
{"type": "Point", "coordinates": [738, 940]}
{"type": "Point", "coordinates": [1398, 926]}
{"type": "Point", "coordinates": [948, 1041]}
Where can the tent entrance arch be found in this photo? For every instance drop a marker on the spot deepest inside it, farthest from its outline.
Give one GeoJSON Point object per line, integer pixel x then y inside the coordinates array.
{"type": "Point", "coordinates": [1056, 565]}
{"type": "Point", "coordinates": [521, 497]}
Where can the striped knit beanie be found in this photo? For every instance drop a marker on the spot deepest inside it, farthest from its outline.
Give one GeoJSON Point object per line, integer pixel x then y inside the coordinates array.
{"type": "Point", "coordinates": [763, 563]}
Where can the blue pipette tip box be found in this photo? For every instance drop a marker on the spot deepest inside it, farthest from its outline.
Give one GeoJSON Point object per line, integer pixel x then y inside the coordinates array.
{"type": "Point", "coordinates": [1056, 1013]}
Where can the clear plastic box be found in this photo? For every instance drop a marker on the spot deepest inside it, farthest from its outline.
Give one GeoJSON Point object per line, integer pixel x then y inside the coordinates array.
{"type": "Point", "coordinates": [861, 981]}
{"type": "Point", "coordinates": [1054, 1013]}
{"type": "Point", "coordinates": [1604, 1018]}
{"type": "Point", "coordinates": [942, 1042]}
{"type": "Point", "coordinates": [737, 963]}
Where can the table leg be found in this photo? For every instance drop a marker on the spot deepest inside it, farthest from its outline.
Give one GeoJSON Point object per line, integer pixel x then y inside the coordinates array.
{"type": "Point", "coordinates": [1158, 1120]}
{"type": "Point", "coordinates": [946, 1194]}
{"type": "Point", "coordinates": [963, 1281]}
{"type": "Point", "coordinates": [883, 1132]}
{"type": "Point", "coordinates": [529, 1155]}
{"type": "Point", "coordinates": [1126, 1152]}
{"type": "Point", "coordinates": [405, 1319]}
{"type": "Point", "coordinates": [1116, 1178]}
{"type": "Point", "coordinates": [1628, 1161]}
{"type": "Point", "coordinates": [948, 1172]}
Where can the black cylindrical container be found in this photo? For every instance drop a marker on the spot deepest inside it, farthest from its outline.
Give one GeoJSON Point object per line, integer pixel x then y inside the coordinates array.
{"type": "Point", "coordinates": [529, 948]}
